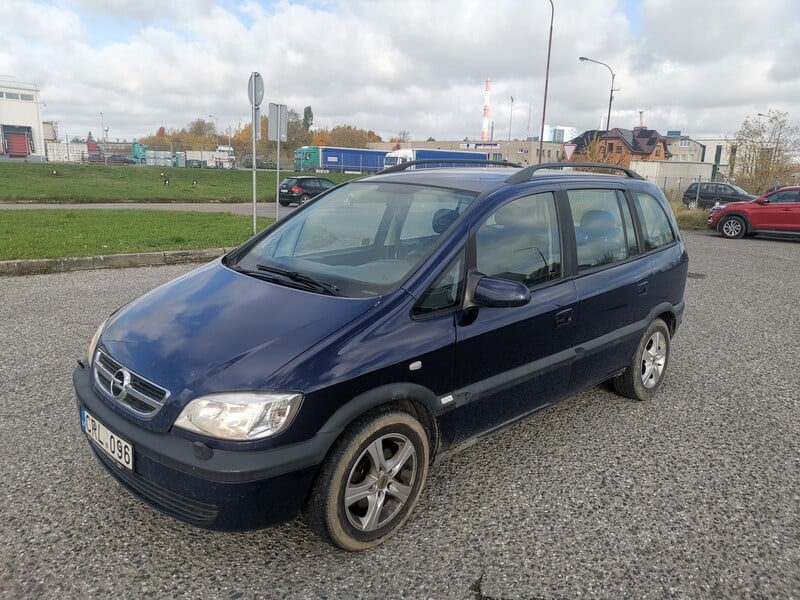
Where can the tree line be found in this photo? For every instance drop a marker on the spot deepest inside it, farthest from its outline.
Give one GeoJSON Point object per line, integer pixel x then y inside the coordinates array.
{"type": "Point", "coordinates": [202, 134]}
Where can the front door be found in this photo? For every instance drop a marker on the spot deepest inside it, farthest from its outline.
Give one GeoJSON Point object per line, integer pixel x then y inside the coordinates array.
{"type": "Point", "coordinates": [512, 361]}
{"type": "Point", "coordinates": [782, 212]}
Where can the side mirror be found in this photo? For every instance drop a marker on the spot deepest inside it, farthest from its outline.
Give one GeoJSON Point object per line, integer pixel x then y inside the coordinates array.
{"type": "Point", "coordinates": [500, 293]}
{"type": "Point", "coordinates": [762, 201]}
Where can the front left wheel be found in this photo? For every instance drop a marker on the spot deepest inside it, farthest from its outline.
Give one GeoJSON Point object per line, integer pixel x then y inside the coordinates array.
{"type": "Point", "coordinates": [370, 481]}
{"type": "Point", "coordinates": [733, 227]}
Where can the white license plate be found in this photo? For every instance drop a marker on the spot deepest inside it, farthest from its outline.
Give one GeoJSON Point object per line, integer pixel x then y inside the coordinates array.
{"type": "Point", "coordinates": [109, 442]}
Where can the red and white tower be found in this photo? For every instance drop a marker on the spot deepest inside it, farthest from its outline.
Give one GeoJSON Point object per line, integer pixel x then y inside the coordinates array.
{"type": "Point", "coordinates": [486, 111]}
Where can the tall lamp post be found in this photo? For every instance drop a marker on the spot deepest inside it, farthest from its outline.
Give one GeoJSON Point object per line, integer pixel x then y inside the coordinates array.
{"type": "Point", "coordinates": [774, 154]}
{"type": "Point", "coordinates": [104, 133]}
{"type": "Point", "coordinates": [611, 95]}
{"type": "Point", "coordinates": [546, 79]}
{"type": "Point", "coordinates": [510, 116]}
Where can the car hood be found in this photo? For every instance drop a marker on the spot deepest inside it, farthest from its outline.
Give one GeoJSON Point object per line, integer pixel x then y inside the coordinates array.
{"type": "Point", "coordinates": [218, 330]}
{"type": "Point", "coordinates": [725, 206]}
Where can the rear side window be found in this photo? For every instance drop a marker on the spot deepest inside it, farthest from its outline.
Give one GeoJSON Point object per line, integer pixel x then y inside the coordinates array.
{"type": "Point", "coordinates": [656, 227]}
{"type": "Point", "coordinates": [603, 227]}
{"type": "Point", "coordinates": [520, 241]}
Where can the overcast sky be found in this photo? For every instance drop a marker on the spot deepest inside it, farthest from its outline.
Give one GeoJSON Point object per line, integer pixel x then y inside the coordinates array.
{"type": "Point", "coordinates": [699, 66]}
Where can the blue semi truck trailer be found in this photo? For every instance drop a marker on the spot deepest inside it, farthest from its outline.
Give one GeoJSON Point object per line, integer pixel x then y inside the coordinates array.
{"type": "Point", "coordinates": [338, 160]}
{"type": "Point", "coordinates": [450, 157]}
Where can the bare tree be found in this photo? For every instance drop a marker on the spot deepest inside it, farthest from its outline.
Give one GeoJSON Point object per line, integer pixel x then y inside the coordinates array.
{"type": "Point", "coordinates": [765, 147]}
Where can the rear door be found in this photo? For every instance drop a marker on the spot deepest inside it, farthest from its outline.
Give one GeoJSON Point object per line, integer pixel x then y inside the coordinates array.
{"type": "Point", "coordinates": [612, 284]}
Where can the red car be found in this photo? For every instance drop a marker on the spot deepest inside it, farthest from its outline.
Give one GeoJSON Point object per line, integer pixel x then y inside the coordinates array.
{"type": "Point", "coordinates": [775, 212]}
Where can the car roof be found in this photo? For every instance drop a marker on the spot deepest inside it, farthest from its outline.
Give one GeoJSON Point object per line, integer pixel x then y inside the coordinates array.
{"type": "Point", "coordinates": [474, 179]}
{"type": "Point", "coordinates": [482, 179]}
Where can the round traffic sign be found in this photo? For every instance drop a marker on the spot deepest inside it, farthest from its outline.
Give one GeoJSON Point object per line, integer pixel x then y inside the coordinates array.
{"type": "Point", "coordinates": [255, 88]}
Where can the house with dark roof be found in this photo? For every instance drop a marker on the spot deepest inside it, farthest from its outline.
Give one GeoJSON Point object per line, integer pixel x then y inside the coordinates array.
{"type": "Point", "coordinates": [621, 146]}
{"type": "Point", "coordinates": [684, 149]}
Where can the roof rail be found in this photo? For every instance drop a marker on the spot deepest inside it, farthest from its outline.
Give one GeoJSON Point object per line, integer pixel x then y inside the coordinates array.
{"type": "Point", "coordinates": [525, 174]}
{"type": "Point", "coordinates": [455, 162]}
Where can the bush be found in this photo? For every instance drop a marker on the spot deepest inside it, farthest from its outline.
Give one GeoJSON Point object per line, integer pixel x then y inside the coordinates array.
{"type": "Point", "coordinates": [686, 217]}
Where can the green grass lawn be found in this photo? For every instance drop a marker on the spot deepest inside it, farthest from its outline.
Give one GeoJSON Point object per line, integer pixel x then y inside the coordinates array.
{"type": "Point", "coordinates": [29, 234]}
{"type": "Point", "coordinates": [27, 182]}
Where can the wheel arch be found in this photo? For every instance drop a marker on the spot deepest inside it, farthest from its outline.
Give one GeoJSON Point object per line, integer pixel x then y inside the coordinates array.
{"type": "Point", "coordinates": [743, 216]}
{"type": "Point", "coordinates": [412, 398]}
{"type": "Point", "coordinates": [671, 320]}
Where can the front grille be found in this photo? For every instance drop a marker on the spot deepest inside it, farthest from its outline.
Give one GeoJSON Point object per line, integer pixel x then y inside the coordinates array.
{"type": "Point", "coordinates": [141, 396]}
{"type": "Point", "coordinates": [181, 507]}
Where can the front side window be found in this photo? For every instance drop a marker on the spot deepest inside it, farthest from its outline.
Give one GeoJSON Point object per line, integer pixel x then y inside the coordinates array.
{"type": "Point", "coordinates": [656, 228]}
{"type": "Point", "coordinates": [361, 240]}
{"type": "Point", "coordinates": [445, 293]}
{"type": "Point", "coordinates": [520, 241]}
{"type": "Point", "coordinates": [603, 227]}
{"type": "Point", "coordinates": [784, 196]}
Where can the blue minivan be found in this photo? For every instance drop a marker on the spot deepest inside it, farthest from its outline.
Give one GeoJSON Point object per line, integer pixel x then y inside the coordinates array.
{"type": "Point", "coordinates": [323, 366]}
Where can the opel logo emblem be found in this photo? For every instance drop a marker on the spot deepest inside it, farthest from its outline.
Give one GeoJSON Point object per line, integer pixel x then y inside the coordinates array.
{"type": "Point", "coordinates": [120, 383]}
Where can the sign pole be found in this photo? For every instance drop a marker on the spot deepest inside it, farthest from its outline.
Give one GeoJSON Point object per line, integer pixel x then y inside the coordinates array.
{"type": "Point", "coordinates": [253, 161]}
{"type": "Point", "coordinates": [277, 130]}
{"type": "Point", "coordinates": [278, 171]}
{"type": "Point", "coordinates": [255, 91]}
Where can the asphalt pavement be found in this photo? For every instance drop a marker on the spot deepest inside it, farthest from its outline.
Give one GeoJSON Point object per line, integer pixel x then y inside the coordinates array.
{"type": "Point", "coordinates": [695, 494]}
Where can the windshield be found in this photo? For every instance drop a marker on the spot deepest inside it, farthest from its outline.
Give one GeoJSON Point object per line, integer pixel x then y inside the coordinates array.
{"type": "Point", "coordinates": [391, 161]}
{"type": "Point", "coordinates": [363, 239]}
{"type": "Point", "coordinates": [739, 190]}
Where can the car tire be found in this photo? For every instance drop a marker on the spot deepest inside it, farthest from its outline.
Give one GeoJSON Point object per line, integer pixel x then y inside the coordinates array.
{"type": "Point", "coordinates": [370, 481]}
{"type": "Point", "coordinates": [304, 198]}
{"type": "Point", "coordinates": [732, 227]}
{"type": "Point", "coordinates": [693, 205]}
{"type": "Point", "coordinates": [643, 376]}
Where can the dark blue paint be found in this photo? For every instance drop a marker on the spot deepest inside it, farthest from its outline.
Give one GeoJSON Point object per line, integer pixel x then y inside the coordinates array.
{"type": "Point", "coordinates": [504, 353]}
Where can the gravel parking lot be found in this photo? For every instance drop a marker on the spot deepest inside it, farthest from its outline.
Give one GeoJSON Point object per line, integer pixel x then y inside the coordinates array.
{"type": "Point", "coordinates": [693, 495]}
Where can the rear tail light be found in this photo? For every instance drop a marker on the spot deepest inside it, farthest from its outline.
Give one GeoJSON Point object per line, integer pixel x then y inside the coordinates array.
{"type": "Point", "coordinates": [297, 189]}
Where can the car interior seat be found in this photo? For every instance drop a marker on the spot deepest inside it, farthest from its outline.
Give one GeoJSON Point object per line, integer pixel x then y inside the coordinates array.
{"type": "Point", "coordinates": [599, 239]}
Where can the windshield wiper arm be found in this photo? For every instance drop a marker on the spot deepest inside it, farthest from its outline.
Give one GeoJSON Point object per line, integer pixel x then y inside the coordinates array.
{"type": "Point", "coordinates": [322, 286]}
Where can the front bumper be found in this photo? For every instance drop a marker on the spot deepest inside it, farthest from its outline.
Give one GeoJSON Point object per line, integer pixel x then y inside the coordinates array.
{"type": "Point", "coordinates": [210, 488]}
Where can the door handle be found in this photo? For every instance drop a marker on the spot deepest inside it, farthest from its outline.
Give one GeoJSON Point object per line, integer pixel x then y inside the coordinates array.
{"type": "Point", "coordinates": [564, 317]}
{"type": "Point", "coordinates": [641, 288]}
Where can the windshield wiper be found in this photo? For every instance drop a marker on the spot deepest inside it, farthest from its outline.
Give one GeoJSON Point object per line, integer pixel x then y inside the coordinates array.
{"type": "Point", "coordinates": [309, 282]}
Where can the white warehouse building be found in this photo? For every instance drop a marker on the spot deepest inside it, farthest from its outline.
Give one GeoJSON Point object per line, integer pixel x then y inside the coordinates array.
{"type": "Point", "coordinates": [21, 129]}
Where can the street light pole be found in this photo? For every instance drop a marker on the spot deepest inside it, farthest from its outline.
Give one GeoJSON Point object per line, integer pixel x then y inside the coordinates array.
{"type": "Point", "coordinates": [610, 97]}
{"type": "Point", "coordinates": [546, 79]}
{"type": "Point", "coordinates": [773, 159]}
{"type": "Point", "coordinates": [510, 116]}
{"type": "Point", "coordinates": [103, 131]}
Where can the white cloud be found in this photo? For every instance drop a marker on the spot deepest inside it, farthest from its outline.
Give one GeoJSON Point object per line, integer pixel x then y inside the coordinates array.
{"type": "Point", "coordinates": [414, 65]}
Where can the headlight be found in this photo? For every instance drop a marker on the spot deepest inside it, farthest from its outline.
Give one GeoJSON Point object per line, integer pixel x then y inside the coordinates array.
{"type": "Point", "coordinates": [93, 342]}
{"type": "Point", "coordinates": [240, 416]}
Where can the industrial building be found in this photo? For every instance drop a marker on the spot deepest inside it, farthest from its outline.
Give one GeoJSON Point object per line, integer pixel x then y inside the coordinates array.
{"type": "Point", "coordinates": [22, 135]}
